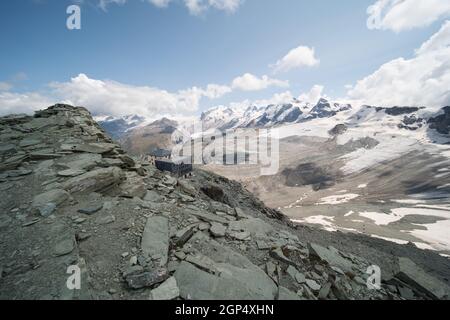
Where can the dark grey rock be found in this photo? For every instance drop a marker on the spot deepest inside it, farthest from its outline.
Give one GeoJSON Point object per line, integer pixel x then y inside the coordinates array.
{"type": "Point", "coordinates": [418, 279]}
{"type": "Point", "coordinates": [146, 279]}
{"type": "Point", "coordinates": [155, 238]}
{"type": "Point", "coordinates": [91, 210]}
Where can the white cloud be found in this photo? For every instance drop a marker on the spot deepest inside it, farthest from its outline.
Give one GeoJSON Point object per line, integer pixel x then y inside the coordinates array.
{"type": "Point", "coordinates": [110, 97]}
{"type": "Point", "coordinates": [226, 5]}
{"type": "Point", "coordinates": [214, 91]}
{"type": "Point", "coordinates": [296, 58]}
{"type": "Point", "coordinates": [277, 98]}
{"type": "Point", "coordinates": [195, 7]}
{"type": "Point", "coordinates": [106, 97]}
{"type": "Point", "coordinates": [423, 80]}
{"type": "Point", "coordinates": [400, 15]}
{"type": "Point", "coordinates": [160, 3]}
{"type": "Point", "coordinates": [313, 95]}
{"type": "Point", "coordinates": [22, 102]}
{"type": "Point", "coordinates": [439, 40]}
{"type": "Point", "coordinates": [105, 3]}
{"type": "Point", "coordinates": [249, 82]}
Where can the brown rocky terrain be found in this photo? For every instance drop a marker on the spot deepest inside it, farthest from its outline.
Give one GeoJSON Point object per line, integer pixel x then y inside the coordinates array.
{"type": "Point", "coordinates": [70, 196]}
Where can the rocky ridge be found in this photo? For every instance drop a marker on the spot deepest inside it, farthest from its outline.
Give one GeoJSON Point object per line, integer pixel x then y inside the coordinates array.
{"type": "Point", "coordinates": [71, 196]}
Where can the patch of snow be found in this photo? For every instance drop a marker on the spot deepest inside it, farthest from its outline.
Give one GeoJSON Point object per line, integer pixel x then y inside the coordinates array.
{"type": "Point", "coordinates": [409, 201]}
{"type": "Point", "coordinates": [349, 213]}
{"type": "Point", "coordinates": [338, 199]}
{"type": "Point", "coordinates": [432, 206]}
{"type": "Point", "coordinates": [437, 234]}
{"type": "Point", "coordinates": [325, 221]}
{"type": "Point", "coordinates": [442, 213]}
{"type": "Point", "coordinates": [381, 219]}
{"type": "Point", "coordinates": [398, 241]}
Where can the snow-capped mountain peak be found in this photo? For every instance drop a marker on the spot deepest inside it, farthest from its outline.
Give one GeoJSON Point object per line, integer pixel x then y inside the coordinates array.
{"type": "Point", "coordinates": [245, 116]}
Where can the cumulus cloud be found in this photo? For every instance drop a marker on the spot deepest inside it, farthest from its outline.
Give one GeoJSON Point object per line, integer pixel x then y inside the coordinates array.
{"type": "Point", "coordinates": [313, 95]}
{"type": "Point", "coordinates": [277, 98]}
{"type": "Point", "coordinates": [301, 56]}
{"type": "Point", "coordinates": [106, 97]}
{"type": "Point", "coordinates": [400, 15]}
{"type": "Point", "coordinates": [421, 80]}
{"type": "Point", "coordinates": [249, 82]}
{"type": "Point", "coordinates": [439, 40]}
{"type": "Point", "coordinates": [13, 103]}
{"type": "Point", "coordinates": [110, 97]}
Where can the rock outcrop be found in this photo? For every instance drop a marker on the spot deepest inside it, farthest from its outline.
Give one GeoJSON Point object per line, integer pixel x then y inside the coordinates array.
{"type": "Point", "coordinates": [441, 123]}
{"type": "Point", "coordinates": [73, 201]}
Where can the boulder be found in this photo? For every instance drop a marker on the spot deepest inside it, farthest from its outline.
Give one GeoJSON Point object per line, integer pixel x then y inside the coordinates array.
{"type": "Point", "coordinates": [330, 257]}
{"type": "Point", "coordinates": [47, 202]}
{"type": "Point", "coordinates": [196, 284]}
{"type": "Point", "coordinates": [254, 226]}
{"type": "Point", "coordinates": [81, 161]}
{"type": "Point", "coordinates": [146, 279]}
{"type": "Point", "coordinates": [104, 220]}
{"type": "Point", "coordinates": [235, 266]}
{"type": "Point", "coordinates": [71, 173]}
{"type": "Point", "coordinates": [153, 196]}
{"type": "Point", "coordinates": [155, 239]}
{"type": "Point", "coordinates": [166, 291]}
{"type": "Point", "coordinates": [92, 209]}
{"type": "Point", "coordinates": [97, 148]}
{"type": "Point", "coordinates": [215, 193]}
{"type": "Point", "coordinates": [133, 187]}
{"type": "Point", "coordinates": [64, 246]}
{"type": "Point", "coordinates": [418, 279]}
{"type": "Point", "coordinates": [217, 230]}
{"type": "Point", "coordinates": [313, 285]}
{"type": "Point", "coordinates": [187, 188]}
{"type": "Point", "coordinates": [207, 217]}
{"type": "Point", "coordinates": [95, 181]}
{"type": "Point", "coordinates": [285, 294]}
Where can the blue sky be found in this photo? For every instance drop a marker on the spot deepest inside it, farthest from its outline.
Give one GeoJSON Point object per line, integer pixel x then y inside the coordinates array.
{"type": "Point", "coordinates": [138, 44]}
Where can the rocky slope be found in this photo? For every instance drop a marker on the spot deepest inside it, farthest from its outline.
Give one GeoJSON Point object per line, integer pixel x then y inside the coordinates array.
{"type": "Point", "coordinates": [71, 196]}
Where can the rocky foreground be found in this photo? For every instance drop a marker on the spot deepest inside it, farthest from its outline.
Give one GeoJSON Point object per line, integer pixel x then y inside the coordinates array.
{"type": "Point", "coordinates": [70, 196]}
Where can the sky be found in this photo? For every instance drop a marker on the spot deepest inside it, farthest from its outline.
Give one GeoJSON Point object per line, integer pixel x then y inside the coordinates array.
{"type": "Point", "coordinates": [181, 57]}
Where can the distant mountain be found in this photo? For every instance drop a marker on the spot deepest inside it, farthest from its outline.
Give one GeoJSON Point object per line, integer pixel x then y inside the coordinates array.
{"type": "Point", "coordinates": [118, 127]}
{"type": "Point", "coordinates": [137, 137]}
{"type": "Point", "coordinates": [147, 138]}
{"type": "Point", "coordinates": [294, 111]}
